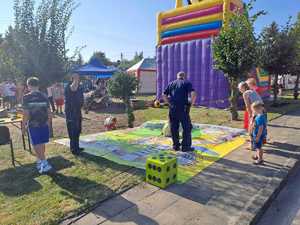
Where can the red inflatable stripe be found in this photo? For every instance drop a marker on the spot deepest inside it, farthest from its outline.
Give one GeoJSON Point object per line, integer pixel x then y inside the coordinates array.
{"type": "Point", "coordinates": [194, 14]}
{"type": "Point", "coordinates": [191, 36]}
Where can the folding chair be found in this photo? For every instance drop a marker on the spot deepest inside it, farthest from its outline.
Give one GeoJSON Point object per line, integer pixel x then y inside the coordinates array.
{"type": "Point", "coordinates": [5, 139]}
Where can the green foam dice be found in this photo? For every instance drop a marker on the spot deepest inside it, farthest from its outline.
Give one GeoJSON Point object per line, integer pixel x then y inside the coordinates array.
{"type": "Point", "coordinates": [161, 170]}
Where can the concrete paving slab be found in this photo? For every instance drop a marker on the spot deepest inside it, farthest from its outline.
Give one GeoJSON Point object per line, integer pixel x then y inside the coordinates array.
{"type": "Point", "coordinates": [231, 191]}
{"type": "Point", "coordinates": [113, 207]}
{"type": "Point", "coordinates": [140, 192]}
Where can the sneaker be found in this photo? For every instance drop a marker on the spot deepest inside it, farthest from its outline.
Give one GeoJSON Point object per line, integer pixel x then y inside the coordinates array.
{"type": "Point", "coordinates": [254, 157]}
{"type": "Point", "coordinates": [45, 167]}
{"type": "Point", "coordinates": [38, 164]}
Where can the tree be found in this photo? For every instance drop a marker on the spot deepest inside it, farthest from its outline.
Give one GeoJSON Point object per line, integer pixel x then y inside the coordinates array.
{"type": "Point", "coordinates": [295, 32]}
{"type": "Point", "coordinates": [235, 53]}
{"type": "Point", "coordinates": [8, 70]}
{"type": "Point", "coordinates": [125, 64]}
{"type": "Point", "coordinates": [1, 39]}
{"type": "Point", "coordinates": [276, 52]}
{"type": "Point", "coordinates": [138, 57]}
{"type": "Point", "coordinates": [102, 58]}
{"type": "Point", "coordinates": [123, 86]}
{"type": "Point", "coordinates": [79, 60]}
{"type": "Point", "coordinates": [37, 42]}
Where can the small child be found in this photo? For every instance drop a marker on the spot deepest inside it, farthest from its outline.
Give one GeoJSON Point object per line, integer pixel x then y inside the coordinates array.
{"type": "Point", "coordinates": [110, 123]}
{"type": "Point", "coordinates": [58, 96]}
{"type": "Point", "coordinates": [258, 131]}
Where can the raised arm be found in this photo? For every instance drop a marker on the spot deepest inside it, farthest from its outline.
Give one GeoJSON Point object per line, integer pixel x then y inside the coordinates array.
{"type": "Point", "coordinates": [247, 104]}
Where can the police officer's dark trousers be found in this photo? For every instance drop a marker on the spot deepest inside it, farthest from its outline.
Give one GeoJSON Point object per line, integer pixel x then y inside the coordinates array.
{"type": "Point", "coordinates": [74, 130]}
{"type": "Point", "coordinates": [177, 116]}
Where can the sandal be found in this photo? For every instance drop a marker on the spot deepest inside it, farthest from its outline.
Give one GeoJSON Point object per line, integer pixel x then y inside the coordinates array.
{"type": "Point", "coordinates": [258, 162]}
{"type": "Point", "coordinates": [254, 157]}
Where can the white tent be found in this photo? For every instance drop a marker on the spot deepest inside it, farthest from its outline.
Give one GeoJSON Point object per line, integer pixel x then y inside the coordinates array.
{"type": "Point", "coordinates": [145, 71]}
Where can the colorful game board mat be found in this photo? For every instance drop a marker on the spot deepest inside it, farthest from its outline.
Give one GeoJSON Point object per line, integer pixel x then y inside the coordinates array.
{"type": "Point", "coordinates": [131, 147]}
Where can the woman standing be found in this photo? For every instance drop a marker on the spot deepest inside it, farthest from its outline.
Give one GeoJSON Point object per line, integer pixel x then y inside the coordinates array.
{"type": "Point", "coordinates": [253, 86]}
{"type": "Point", "coordinates": [249, 96]}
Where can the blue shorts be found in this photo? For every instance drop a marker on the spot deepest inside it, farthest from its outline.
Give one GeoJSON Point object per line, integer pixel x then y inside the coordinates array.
{"type": "Point", "coordinates": [257, 145]}
{"type": "Point", "coordinates": [39, 135]}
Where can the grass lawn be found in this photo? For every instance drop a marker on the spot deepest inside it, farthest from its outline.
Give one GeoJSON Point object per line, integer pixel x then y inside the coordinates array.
{"type": "Point", "coordinates": [27, 198]}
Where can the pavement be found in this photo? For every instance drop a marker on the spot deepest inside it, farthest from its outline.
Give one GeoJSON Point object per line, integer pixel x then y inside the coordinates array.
{"type": "Point", "coordinates": [231, 191]}
{"type": "Point", "coordinates": [285, 209]}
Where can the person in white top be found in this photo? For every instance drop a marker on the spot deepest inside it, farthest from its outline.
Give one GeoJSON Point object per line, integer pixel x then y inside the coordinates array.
{"type": "Point", "coordinates": [50, 97]}
{"type": "Point", "coordinates": [9, 92]}
{"type": "Point", "coordinates": [1, 95]}
{"type": "Point", "coordinates": [280, 83]}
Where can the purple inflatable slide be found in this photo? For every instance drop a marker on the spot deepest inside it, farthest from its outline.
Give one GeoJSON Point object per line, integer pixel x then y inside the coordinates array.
{"type": "Point", "coordinates": [195, 58]}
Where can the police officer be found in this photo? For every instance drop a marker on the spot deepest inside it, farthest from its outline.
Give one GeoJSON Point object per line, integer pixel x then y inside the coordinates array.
{"type": "Point", "coordinates": [177, 95]}
{"type": "Point", "coordinates": [73, 104]}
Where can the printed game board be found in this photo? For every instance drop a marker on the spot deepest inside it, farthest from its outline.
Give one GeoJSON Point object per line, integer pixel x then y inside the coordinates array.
{"type": "Point", "coordinates": [131, 147]}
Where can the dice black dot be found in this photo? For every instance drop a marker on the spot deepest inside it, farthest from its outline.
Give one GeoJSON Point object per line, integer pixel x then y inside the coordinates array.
{"type": "Point", "coordinates": [175, 165]}
{"type": "Point", "coordinates": [159, 180]}
{"type": "Point", "coordinates": [168, 169]}
{"type": "Point", "coordinates": [174, 177]}
{"type": "Point", "coordinates": [149, 177]}
{"type": "Point", "coordinates": [168, 180]}
{"type": "Point", "coordinates": [159, 169]}
{"type": "Point", "coordinates": [154, 178]}
{"type": "Point", "coordinates": [149, 166]}
{"type": "Point", "coordinates": [154, 167]}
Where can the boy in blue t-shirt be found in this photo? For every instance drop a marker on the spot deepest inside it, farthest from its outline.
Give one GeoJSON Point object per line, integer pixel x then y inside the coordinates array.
{"type": "Point", "coordinates": [36, 118]}
{"type": "Point", "coordinates": [258, 131]}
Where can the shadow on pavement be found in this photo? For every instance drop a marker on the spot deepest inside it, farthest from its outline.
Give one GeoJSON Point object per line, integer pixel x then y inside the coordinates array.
{"type": "Point", "coordinates": [282, 126]}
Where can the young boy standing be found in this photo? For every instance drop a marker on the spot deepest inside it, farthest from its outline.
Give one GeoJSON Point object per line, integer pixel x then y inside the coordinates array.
{"type": "Point", "coordinates": [259, 131]}
{"type": "Point", "coordinates": [36, 118]}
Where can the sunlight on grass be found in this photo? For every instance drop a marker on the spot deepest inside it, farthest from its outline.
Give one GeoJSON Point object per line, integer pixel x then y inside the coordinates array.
{"type": "Point", "coordinates": [28, 198]}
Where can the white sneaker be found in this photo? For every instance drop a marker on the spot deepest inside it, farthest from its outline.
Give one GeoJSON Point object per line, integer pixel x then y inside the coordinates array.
{"type": "Point", "coordinates": [45, 167]}
{"type": "Point", "coordinates": [38, 164]}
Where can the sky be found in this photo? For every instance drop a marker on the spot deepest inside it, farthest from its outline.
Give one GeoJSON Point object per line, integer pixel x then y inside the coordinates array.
{"type": "Point", "coordinates": [127, 26]}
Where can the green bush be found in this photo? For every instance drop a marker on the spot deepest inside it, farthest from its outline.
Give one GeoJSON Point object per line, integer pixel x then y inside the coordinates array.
{"type": "Point", "coordinates": [123, 86]}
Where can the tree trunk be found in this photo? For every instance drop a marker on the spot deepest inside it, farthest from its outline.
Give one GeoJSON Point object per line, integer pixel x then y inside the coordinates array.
{"type": "Point", "coordinates": [129, 112]}
{"type": "Point", "coordinates": [234, 99]}
{"type": "Point", "coordinates": [275, 90]}
{"type": "Point", "coordinates": [296, 89]}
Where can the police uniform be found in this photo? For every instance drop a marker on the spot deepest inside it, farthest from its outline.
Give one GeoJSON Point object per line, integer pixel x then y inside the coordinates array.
{"type": "Point", "coordinates": [73, 104]}
{"type": "Point", "coordinates": [178, 92]}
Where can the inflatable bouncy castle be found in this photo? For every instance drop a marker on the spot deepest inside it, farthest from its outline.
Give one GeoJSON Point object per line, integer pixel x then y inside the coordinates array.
{"type": "Point", "coordinates": [263, 80]}
{"type": "Point", "coordinates": [184, 43]}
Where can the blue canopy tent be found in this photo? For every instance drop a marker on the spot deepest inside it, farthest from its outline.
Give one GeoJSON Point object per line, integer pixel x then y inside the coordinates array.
{"type": "Point", "coordinates": [96, 69]}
